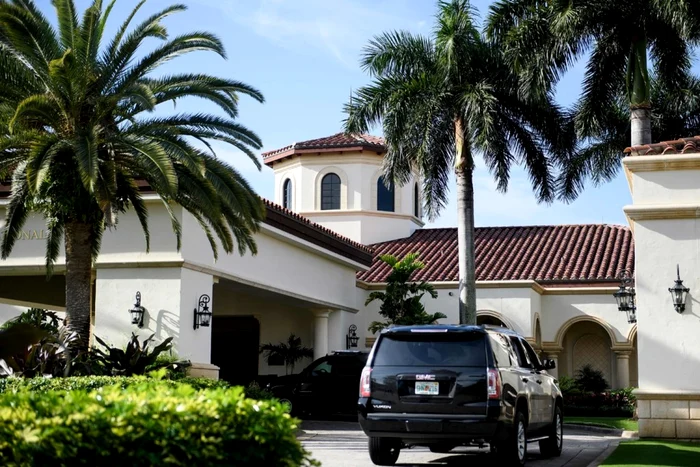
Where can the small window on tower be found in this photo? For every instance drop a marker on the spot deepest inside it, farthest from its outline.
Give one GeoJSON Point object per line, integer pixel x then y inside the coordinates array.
{"type": "Point", "coordinates": [385, 196]}
{"type": "Point", "coordinates": [287, 194]}
{"type": "Point", "coordinates": [330, 192]}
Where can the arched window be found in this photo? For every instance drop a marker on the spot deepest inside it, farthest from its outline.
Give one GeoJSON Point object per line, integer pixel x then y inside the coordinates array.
{"type": "Point", "coordinates": [385, 196]}
{"type": "Point", "coordinates": [330, 192]}
{"type": "Point", "coordinates": [287, 194]}
{"type": "Point", "coordinates": [416, 201]}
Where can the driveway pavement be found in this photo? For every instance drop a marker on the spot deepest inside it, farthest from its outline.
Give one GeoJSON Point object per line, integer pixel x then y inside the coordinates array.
{"type": "Point", "coordinates": [343, 444]}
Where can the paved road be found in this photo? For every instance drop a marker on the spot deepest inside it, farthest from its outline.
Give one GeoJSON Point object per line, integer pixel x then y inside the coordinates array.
{"type": "Point", "coordinates": [343, 444]}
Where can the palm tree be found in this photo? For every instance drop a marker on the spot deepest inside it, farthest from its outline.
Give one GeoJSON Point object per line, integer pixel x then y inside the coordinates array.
{"type": "Point", "coordinates": [290, 352]}
{"type": "Point", "coordinates": [443, 100]}
{"type": "Point", "coordinates": [401, 301]}
{"type": "Point", "coordinates": [543, 39]}
{"type": "Point", "coordinates": [75, 135]}
{"type": "Point", "coordinates": [675, 114]}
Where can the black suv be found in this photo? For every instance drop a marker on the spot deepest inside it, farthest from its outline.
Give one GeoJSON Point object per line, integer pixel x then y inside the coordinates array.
{"type": "Point", "coordinates": [328, 386]}
{"type": "Point", "coordinates": [445, 386]}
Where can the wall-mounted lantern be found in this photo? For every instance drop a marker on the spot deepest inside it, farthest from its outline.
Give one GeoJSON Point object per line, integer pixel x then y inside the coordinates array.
{"type": "Point", "coordinates": [137, 311]}
{"type": "Point", "coordinates": [679, 292]}
{"type": "Point", "coordinates": [626, 296]}
{"type": "Point", "coordinates": [202, 314]}
{"type": "Point", "coordinates": [351, 338]}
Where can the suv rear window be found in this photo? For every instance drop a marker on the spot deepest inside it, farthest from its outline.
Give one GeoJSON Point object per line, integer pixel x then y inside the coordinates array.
{"type": "Point", "coordinates": [423, 349]}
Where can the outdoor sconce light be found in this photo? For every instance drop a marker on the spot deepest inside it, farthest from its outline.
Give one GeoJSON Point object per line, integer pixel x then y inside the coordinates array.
{"type": "Point", "coordinates": [202, 314]}
{"type": "Point", "coordinates": [679, 292]}
{"type": "Point", "coordinates": [351, 339]}
{"type": "Point", "coordinates": [626, 296]}
{"type": "Point", "coordinates": [137, 311]}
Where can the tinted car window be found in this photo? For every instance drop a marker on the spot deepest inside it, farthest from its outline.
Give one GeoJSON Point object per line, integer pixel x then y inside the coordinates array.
{"type": "Point", "coordinates": [501, 350]}
{"type": "Point", "coordinates": [523, 361]}
{"type": "Point", "coordinates": [323, 367]}
{"type": "Point", "coordinates": [453, 349]}
{"type": "Point", "coordinates": [347, 367]}
{"type": "Point", "coordinates": [531, 354]}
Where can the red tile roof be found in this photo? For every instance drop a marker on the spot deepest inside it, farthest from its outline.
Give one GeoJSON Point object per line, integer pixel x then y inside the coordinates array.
{"type": "Point", "coordinates": [564, 253]}
{"type": "Point", "coordinates": [677, 146]}
{"type": "Point", "coordinates": [340, 142]}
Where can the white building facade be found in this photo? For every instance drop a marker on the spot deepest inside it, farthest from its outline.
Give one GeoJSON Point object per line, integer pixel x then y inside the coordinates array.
{"type": "Point", "coordinates": [318, 261]}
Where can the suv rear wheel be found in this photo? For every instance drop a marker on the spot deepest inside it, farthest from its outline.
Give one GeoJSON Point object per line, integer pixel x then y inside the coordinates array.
{"type": "Point", "coordinates": [513, 451]}
{"type": "Point", "coordinates": [384, 451]}
{"type": "Point", "coordinates": [551, 447]}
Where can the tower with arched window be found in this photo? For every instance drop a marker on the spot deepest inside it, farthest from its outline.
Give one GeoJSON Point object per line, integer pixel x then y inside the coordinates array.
{"type": "Point", "coordinates": [338, 182]}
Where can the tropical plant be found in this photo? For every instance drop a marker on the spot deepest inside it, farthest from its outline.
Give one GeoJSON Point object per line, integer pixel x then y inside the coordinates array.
{"type": "Point", "coordinates": [34, 344]}
{"type": "Point", "coordinates": [77, 138]}
{"type": "Point", "coordinates": [401, 301]}
{"type": "Point", "coordinates": [135, 359]}
{"type": "Point", "coordinates": [289, 352]}
{"type": "Point", "coordinates": [42, 319]}
{"type": "Point", "coordinates": [542, 40]}
{"type": "Point", "coordinates": [588, 379]}
{"type": "Point", "coordinates": [444, 100]}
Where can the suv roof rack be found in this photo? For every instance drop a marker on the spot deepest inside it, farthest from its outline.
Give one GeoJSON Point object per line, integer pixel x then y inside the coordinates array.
{"type": "Point", "coordinates": [341, 352]}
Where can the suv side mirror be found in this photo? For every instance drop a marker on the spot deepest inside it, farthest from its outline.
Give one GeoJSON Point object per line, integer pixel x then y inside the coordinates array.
{"type": "Point", "coordinates": [549, 364]}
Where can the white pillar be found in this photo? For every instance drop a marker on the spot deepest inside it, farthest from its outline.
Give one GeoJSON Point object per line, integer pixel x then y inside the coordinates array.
{"type": "Point", "coordinates": [321, 333]}
{"type": "Point", "coordinates": [623, 369]}
{"type": "Point", "coordinates": [555, 358]}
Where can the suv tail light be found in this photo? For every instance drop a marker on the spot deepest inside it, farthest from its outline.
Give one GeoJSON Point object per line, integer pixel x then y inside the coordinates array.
{"type": "Point", "coordinates": [365, 382]}
{"type": "Point", "coordinates": [494, 384]}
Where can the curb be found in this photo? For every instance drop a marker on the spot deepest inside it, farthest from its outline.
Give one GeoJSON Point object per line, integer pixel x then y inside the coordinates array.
{"type": "Point", "coordinates": [603, 455]}
{"type": "Point", "coordinates": [595, 429]}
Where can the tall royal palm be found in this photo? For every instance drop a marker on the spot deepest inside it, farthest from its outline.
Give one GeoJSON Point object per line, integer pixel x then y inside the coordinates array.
{"type": "Point", "coordinates": [544, 38]}
{"type": "Point", "coordinates": [76, 136]}
{"type": "Point", "coordinates": [441, 102]}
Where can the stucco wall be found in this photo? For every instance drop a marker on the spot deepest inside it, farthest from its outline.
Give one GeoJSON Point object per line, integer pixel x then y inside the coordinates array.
{"type": "Point", "coordinates": [557, 310]}
{"type": "Point", "coordinates": [667, 340]}
{"type": "Point", "coordinates": [169, 296]}
{"type": "Point", "coordinates": [514, 304]}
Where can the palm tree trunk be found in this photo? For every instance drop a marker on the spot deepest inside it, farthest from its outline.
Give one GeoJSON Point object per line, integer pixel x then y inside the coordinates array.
{"type": "Point", "coordinates": [78, 280]}
{"type": "Point", "coordinates": [464, 169]}
{"type": "Point", "coordinates": [639, 89]}
{"type": "Point", "coordinates": [641, 126]}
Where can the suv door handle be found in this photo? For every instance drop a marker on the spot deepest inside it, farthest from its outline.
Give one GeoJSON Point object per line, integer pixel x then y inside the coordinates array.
{"type": "Point", "coordinates": [538, 381]}
{"type": "Point", "coordinates": [525, 380]}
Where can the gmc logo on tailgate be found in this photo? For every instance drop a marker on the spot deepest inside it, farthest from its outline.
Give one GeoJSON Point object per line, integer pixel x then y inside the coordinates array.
{"type": "Point", "coordinates": [425, 377]}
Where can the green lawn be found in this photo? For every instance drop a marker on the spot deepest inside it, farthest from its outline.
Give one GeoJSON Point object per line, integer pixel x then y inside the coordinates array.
{"type": "Point", "coordinates": [656, 453]}
{"type": "Point", "coordinates": [621, 423]}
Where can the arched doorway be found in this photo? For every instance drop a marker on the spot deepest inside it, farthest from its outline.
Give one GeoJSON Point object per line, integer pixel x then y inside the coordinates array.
{"type": "Point", "coordinates": [586, 342]}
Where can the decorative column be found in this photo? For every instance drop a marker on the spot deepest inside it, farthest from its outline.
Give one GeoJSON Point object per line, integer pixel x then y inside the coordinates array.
{"type": "Point", "coordinates": [623, 369]}
{"type": "Point", "coordinates": [321, 333]}
{"type": "Point", "coordinates": [555, 358]}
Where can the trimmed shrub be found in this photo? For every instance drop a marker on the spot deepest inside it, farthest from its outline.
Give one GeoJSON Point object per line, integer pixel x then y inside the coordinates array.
{"type": "Point", "coordinates": [144, 423]}
{"type": "Point", "coordinates": [619, 403]}
{"type": "Point", "coordinates": [89, 383]}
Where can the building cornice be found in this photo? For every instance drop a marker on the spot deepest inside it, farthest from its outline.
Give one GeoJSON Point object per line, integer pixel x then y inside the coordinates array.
{"type": "Point", "coordinates": [663, 162]}
{"type": "Point", "coordinates": [662, 211]}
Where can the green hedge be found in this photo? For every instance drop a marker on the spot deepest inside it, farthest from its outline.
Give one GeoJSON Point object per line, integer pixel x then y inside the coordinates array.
{"type": "Point", "coordinates": [94, 382]}
{"type": "Point", "coordinates": [142, 422]}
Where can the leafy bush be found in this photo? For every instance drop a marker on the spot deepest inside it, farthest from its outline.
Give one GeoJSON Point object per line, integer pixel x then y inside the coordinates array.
{"type": "Point", "coordinates": [42, 319]}
{"type": "Point", "coordinates": [148, 423]}
{"type": "Point", "coordinates": [589, 379]}
{"type": "Point", "coordinates": [618, 403]}
{"type": "Point", "coordinates": [567, 385]}
{"type": "Point", "coordinates": [88, 383]}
